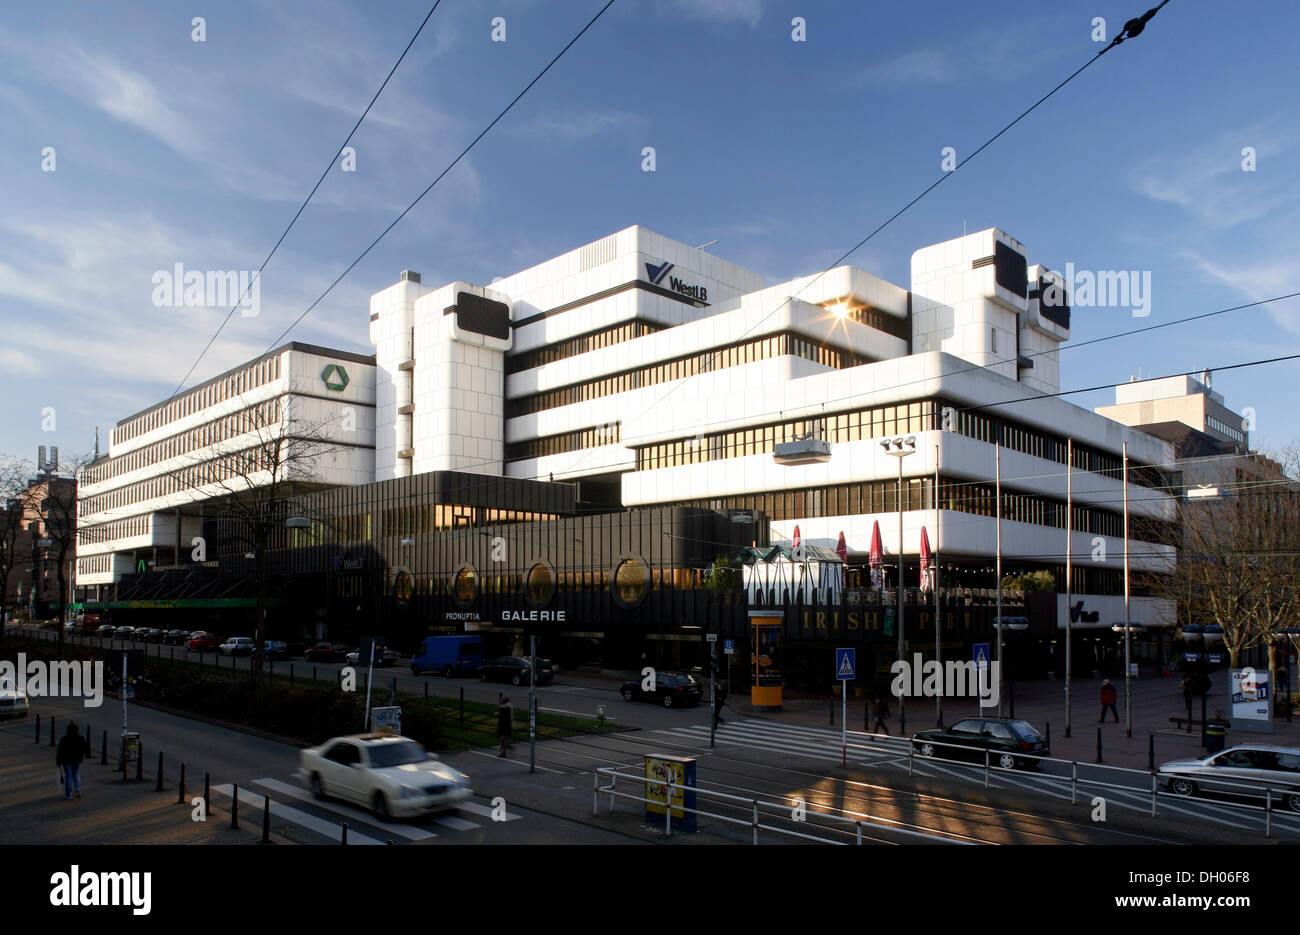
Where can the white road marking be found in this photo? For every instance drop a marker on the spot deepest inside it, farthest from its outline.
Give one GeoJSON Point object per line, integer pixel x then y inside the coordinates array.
{"type": "Point", "coordinates": [322, 827]}
{"type": "Point", "coordinates": [348, 811]}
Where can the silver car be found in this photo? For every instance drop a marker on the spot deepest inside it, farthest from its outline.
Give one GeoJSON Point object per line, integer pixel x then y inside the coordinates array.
{"type": "Point", "coordinates": [1248, 770]}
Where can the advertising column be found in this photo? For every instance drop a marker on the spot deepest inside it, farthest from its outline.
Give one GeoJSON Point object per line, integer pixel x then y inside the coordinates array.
{"type": "Point", "coordinates": [765, 657]}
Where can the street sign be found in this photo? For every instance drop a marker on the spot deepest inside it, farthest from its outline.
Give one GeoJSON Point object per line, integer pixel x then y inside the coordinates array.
{"type": "Point", "coordinates": [712, 637]}
{"type": "Point", "coordinates": [845, 663]}
{"type": "Point", "coordinates": [44, 543]}
{"type": "Point", "coordinates": [981, 656]}
{"type": "Point", "coordinates": [729, 647]}
{"type": "Point", "coordinates": [386, 720]}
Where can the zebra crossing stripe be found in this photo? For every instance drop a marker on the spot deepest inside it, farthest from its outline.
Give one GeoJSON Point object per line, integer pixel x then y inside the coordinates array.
{"type": "Point", "coordinates": [484, 810]}
{"type": "Point", "coordinates": [306, 820]}
{"type": "Point", "coordinates": [346, 811]}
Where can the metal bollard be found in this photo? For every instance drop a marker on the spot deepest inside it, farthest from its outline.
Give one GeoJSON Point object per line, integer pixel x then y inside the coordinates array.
{"type": "Point", "coordinates": [207, 798]}
{"type": "Point", "coordinates": [139, 765]}
{"type": "Point", "coordinates": [755, 821]}
{"type": "Point", "coordinates": [291, 675]}
{"type": "Point", "coordinates": [234, 807]}
{"type": "Point", "coordinates": [1154, 789]}
{"type": "Point", "coordinates": [266, 820]}
{"type": "Point", "coordinates": [90, 747]}
{"type": "Point", "coordinates": [1151, 752]}
{"type": "Point", "coordinates": [159, 786]}
{"type": "Point", "coordinates": [180, 800]}
{"type": "Point", "coordinates": [103, 749]}
{"type": "Point", "coordinates": [1049, 735]}
{"type": "Point", "coordinates": [1098, 744]}
{"type": "Point", "coordinates": [38, 727]}
{"type": "Point", "coordinates": [345, 833]}
{"type": "Point", "coordinates": [51, 732]}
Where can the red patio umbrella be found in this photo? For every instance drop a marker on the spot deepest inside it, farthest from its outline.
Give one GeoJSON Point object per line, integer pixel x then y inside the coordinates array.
{"type": "Point", "coordinates": [925, 560]}
{"type": "Point", "coordinates": [876, 558]}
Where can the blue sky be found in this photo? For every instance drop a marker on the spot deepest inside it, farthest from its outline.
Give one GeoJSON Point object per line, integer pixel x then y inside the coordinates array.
{"type": "Point", "coordinates": [174, 151]}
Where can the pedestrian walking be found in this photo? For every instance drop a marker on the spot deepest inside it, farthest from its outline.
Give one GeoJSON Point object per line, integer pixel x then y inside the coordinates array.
{"type": "Point", "coordinates": [880, 710]}
{"type": "Point", "coordinates": [505, 724]}
{"type": "Point", "coordinates": [68, 756]}
{"type": "Point", "coordinates": [719, 699]}
{"type": "Point", "coordinates": [1108, 698]}
{"type": "Point", "coordinates": [1187, 698]}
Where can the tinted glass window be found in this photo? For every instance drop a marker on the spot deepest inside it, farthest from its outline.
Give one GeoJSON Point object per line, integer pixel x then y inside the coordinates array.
{"type": "Point", "coordinates": [1025, 731]}
{"type": "Point", "coordinates": [396, 754]}
{"type": "Point", "coordinates": [1286, 762]}
{"type": "Point", "coordinates": [966, 727]}
{"type": "Point", "coordinates": [1001, 731]}
{"type": "Point", "coordinates": [343, 753]}
{"type": "Point", "coordinates": [1237, 758]}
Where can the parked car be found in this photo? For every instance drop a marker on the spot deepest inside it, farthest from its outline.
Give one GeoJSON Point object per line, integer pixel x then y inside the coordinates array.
{"type": "Point", "coordinates": [274, 649]}
{"type": "Point", "coordinates": [177, 637]}
{"type": "Point", "coordinates": [970, 737]}
{"type": "Point", "coordinates": [238, 646]}
{"type": "Point", "coordinates": [671, 689]}
{"type": "Point", "coordinates": [13, 703]}
{"type": "Point", "coordinates": [326, 652]}
{"type": "Point", "coordinates": [88, 622]}
{"type": "Point", "coordinates": [515, 670]}
{"type": "Point", "coordinates": [1246, 770]}
{"type": "Point", "coordinates": [202, 641]}
{"type": "Point", "coordinates": [393, 776]}
{"type": "Point", "coordinates": [448, 655]}
{"type": "Point", "coordinates": [383, 658]}
{"type": "Point", "coordinates": [154, 635]}
{"type": "Point", "coordinates": [105, 629]}
{"type": "Point", "coordinates": [125, 633]}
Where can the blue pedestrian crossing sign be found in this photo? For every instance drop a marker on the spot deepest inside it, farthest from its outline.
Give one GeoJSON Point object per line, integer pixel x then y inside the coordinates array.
{"type": "Point", "coordinates": [981, 654]}
{"type": "Point", "coordinates": [845, 663]}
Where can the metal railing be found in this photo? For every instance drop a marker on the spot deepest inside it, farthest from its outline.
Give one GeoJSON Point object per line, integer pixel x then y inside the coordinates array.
{"type": "Point", "coordinates": [754, 805]}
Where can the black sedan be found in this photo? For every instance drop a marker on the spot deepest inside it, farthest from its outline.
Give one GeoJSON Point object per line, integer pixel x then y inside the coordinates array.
{"type": "Point", "coordinates": [152, 635]}
{"type": "Point", "coordinates": [671, 689]}
{"type": "Point", "coordinates": [515, 670]}
{"type": "Point", "coordinates": [177, 637]}
{"type": "Point", "coordinates": [968, 738]}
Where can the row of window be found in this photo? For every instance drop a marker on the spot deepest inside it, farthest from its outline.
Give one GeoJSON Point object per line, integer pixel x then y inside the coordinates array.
{"type": "Point", "coordinates": [118, 529]}
{"type": "Point", "coordinates": [780, 345]}
{"type": "Point", "coordinates": [882, 321]}
{"type": "Point", "coordinates": [918, 494]}
{"type": "Point", "coordinates": [885, 422]}
{"type": "Point", "coordinates": [1219, 425]}
{"type": "Point", "coordinates": [198, 399]}
{"type": "Point", "coordinates": [607, 434]}
{"type": "Point", "coordinates": [407, 522]}
{"type": "Point", "coordinates": [606, 337]}
{"type": "Point", "coordinates": [95, 564]}
{"type": "Point", "coordinates": [244, 464]}
{"type": "Point", "coordinates": [211, 433]}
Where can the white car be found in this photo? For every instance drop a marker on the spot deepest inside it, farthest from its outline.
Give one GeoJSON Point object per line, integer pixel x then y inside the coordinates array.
{"type": "Point", "coordinates": [391, 775]}
{"type": "Point", "coordinates": [12, 703]}
{"type": "Point", "coordinates": [238, 646]}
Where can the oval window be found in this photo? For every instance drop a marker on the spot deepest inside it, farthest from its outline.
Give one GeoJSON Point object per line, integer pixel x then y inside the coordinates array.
{"type": "Point", "coordinates": [631, 580]}
{"type": "Point", "coordinates": [539, 586]}
{"type": "Point", "coordinates": [464, 587]}
{"type": "Point", "coordinates": [403, 587]}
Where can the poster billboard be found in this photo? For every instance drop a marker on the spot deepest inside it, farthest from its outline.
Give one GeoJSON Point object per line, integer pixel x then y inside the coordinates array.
{"type": "Point", "coordinates": [1251, 700]}
{"type": "Point", "coordinates": [663, 773]}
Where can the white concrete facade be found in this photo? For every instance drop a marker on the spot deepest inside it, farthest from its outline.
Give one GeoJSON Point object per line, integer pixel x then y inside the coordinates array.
{"type": "Point", "coordinates": [161, 462]}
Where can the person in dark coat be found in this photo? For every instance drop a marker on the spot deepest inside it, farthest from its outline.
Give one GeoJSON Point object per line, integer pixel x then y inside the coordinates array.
{"type": "Point", "coordinates": [880, 710]}
{"type": "Point", "coordinates": [719, 699]}
{"type": "Point", "coordinates": [1187, 698]}
{"type": "Point", "coordinates": [505, 724]}
{"type": "Point", "coordinates": [1108, 698]}
{"type": "Point", "coordinates": [68, 756]}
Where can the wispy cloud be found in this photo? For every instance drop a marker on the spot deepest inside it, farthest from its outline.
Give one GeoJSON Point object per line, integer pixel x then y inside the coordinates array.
{"type": "Point", "coordinates": [574, 126]}
{"type": "Point", "coordinates": [749, 12]}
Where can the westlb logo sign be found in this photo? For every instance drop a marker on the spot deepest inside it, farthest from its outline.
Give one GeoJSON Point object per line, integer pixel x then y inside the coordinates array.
{"type": "Point", "coordinates": [656, 275]}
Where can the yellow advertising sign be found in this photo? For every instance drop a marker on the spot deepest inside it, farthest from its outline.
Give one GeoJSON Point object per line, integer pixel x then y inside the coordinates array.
{"type": "Point", "coordinates": [658, 774]}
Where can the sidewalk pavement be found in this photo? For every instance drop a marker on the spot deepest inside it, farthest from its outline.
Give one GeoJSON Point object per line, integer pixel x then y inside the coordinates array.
{"type": "Point", "coordinates": [1042, 702]}
{"type": "Point", "coordinates": [110, 811]}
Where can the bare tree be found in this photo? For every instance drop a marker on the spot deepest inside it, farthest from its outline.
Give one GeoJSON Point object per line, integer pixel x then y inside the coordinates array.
{"type": "Point", "coordinates": [53, 497]}
{"type": "Point", "coordinates": [13, 484]}
{"type": "Point", "coordinates": [267, 454]}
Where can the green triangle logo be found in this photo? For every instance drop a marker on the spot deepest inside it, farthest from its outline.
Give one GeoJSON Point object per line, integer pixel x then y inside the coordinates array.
{"type": "Point", "coordinates": [335, 377]}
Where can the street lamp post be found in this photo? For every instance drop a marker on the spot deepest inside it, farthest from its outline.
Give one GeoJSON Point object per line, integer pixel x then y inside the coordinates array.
{"type": "Point", "coordinates": [997, 496]}
{"type": "Point", "coordinates": [900, 448]}
{"type": "Point", "coordinates": [1128, 616]}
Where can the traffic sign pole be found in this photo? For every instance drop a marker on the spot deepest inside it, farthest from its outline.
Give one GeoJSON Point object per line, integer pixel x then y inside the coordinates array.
{"type": "Point", "coordinates": [845, 666]}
